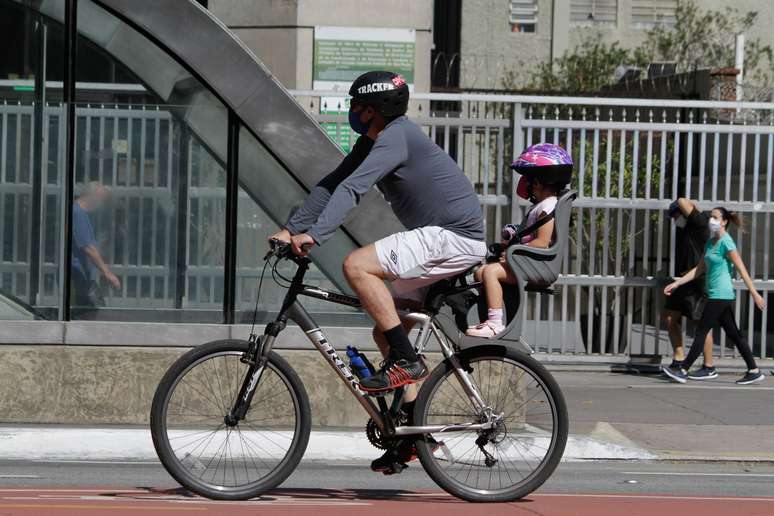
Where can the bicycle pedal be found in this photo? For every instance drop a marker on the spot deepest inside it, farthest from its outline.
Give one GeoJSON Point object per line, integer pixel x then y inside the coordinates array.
{"type": "Point", "coordinates": [396, 469]}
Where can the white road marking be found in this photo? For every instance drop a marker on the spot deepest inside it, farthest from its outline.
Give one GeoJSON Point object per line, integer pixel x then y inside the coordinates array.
{"type": "Point", "coordinates": [702, 387]}
{"type": "Point", "coordinates": [112, 462]}
{"type": "Point", "coordinates": [19, 476]}
{"type": "Point", "coordinates": [713, 387]}
{"type": "Point", "coordinates": [654, 497]}
{"type": "Point", "coordinates": [697, 474]}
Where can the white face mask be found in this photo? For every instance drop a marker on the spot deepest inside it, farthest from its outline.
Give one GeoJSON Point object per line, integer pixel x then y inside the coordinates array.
{"type": "Point", "coordinates": [681, 222]}
{"type": "Point", "coordinates": [714, 225]}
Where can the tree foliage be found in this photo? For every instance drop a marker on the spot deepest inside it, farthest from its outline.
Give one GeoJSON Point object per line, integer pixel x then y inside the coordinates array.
{"type": "Point", "coordinates": [698, 39]}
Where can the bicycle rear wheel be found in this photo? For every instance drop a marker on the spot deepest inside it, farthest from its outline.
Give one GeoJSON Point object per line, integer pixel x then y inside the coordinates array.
{"type": "Point", "coordinates": [216, 460]}
{"type": "Point", "coordinates": [512, 459]}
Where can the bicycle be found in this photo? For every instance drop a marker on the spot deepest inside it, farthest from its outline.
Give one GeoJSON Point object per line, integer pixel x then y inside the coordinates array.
{"type": "Point", "coordinates": [231, 419]}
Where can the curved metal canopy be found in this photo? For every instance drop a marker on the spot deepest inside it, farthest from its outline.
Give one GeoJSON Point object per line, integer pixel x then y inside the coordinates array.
{"type": "Point", "coordinates": [242, 82]}
{"type": "Point", "coordinates": [229, 70]}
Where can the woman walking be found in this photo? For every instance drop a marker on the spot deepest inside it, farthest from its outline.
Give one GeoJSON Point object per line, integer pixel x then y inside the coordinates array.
{"type": "Point", "coordinates": [720, 258]}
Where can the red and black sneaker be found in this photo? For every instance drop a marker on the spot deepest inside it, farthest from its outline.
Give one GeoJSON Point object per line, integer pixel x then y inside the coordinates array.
{"type": "Point", "coordinates": [395, 374]}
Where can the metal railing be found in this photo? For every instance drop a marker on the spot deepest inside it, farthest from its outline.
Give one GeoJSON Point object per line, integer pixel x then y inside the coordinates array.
{"type": "Point", "coordinates": [633, 157]}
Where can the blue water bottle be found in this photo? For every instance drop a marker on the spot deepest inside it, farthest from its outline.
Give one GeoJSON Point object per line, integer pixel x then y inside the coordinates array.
{"type": "Point", "coordinates": [358, 363]}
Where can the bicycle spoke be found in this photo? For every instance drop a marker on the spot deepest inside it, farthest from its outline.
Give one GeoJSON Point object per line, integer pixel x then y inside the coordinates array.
{"type": "Point", "coordinates": [518, 446]}
{"type": "Point", "coordinates": [219, 455]}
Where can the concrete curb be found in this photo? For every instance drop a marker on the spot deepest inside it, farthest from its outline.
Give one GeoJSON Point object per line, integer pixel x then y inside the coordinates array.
{"type": "Point", "coordinates": [74, 444]}
{"type": "Point", "coordinates": [135, 444]}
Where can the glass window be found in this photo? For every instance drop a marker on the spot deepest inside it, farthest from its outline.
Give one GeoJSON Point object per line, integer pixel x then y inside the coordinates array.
{"type": "Point", "coordinates": [149, 214]}
{"type": "Point", "coordinates": [585, 12]}
{"type": "Point", "coordinates": [647, 13]}
{"type": "Point", "coordinates": [523, 15]}
{"type": "Point", "coordinates": [278, 195]}
{"type": "Point", "coordinates": [32, 141]}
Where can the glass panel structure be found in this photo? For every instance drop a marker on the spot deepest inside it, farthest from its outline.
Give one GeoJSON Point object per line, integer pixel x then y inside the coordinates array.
{"type": "Point", "coordinates": [32, 143]}
{"type": "Point", "coordinates": [138, 150]}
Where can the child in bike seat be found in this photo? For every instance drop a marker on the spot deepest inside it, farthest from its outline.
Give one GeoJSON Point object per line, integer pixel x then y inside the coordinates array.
{"type": "Point", "coordinates": [545, 170]}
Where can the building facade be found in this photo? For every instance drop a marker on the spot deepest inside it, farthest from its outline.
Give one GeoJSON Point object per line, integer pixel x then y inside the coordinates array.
{"type": "Point", "coordinates": [499, 38]}
{"type": "Point", "coordinates": [282, 33]}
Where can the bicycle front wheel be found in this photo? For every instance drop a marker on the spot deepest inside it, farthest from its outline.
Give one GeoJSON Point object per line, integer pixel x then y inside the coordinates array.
{"type": "Point", "coordinates": [510, 460]}
{"type": "Point", "coordinates": [217, 460]}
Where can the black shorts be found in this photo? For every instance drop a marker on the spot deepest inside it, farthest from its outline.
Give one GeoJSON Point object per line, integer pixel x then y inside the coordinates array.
{"type": "Point", "coordinates": [685, 297]}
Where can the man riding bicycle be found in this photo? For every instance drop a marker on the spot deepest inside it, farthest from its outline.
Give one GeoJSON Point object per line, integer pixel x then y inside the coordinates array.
{"type": "Point", "coordinates": [428, 193]}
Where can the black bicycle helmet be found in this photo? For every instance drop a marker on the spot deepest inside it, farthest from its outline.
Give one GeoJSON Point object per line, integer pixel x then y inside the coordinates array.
{"type": "Point", "coordinates": [386, 92]}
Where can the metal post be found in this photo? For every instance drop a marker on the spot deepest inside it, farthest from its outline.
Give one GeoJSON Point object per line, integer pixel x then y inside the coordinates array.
{"type": "Point", "coordinates": [180, 174]}
{"type": "Point", "coordinates": [739, 63]}
{"type": "Point", "coordinates": [38, 165]}
{"type": "Point", "coordinates": [68, 96]}
{"type": "Point", "coordinates": [518, 146]}
{"type": "Point", "coordinates": [232, 194]}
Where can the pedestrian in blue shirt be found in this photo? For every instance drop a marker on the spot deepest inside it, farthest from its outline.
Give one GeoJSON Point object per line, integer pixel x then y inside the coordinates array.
{"type": "Point", "coordinates": [88, 264]}
{"type": "Point", "coordinates": [720, 258]}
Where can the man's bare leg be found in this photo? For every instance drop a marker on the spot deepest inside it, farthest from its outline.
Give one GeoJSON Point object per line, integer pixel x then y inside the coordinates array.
{"type": "Point", "coordinates": [673, 322]}
{"type": "Point", "coordinates": [366, 277]}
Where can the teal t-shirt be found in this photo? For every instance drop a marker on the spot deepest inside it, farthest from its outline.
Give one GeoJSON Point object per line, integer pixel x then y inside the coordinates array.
{"type": "Point", "coordinates": [720, 270]}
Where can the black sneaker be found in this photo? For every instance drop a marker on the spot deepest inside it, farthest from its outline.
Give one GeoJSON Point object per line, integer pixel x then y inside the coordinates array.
{"type": "Point", "coordinates": [676, 374]}
{"type": "Point", "coordinates": [395, 459]}
{"type": "Point", "coordinates": [394, 375]}
{"type": "Point", "coordinates": [705, 373]}
{"type": "Point", "coordinates": [751, 377]}
{"type": "Point", "coordinates": [676, 364]}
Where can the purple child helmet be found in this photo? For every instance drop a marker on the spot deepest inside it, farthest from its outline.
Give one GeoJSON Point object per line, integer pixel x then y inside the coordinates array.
{"type": "Point", "coordinates": [549, 163]}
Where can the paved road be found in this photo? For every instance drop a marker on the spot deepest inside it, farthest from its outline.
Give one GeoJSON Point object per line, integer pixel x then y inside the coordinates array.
{"type": "Point", "coordinates": [597, 488]}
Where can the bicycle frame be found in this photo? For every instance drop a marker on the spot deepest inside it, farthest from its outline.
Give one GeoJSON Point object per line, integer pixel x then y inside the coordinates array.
{"type": "Point", "coordinates": [292, 309]}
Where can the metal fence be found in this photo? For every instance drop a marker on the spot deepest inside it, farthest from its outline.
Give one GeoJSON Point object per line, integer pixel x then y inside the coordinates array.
{"type": "Point", "coordinates": [633, 157]}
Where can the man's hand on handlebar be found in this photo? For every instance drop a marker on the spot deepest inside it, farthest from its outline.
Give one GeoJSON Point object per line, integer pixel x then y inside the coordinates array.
{"type": "Point", "coordinates": [283, 236]}
{"type": "Point", "coordinates": [301, 244]}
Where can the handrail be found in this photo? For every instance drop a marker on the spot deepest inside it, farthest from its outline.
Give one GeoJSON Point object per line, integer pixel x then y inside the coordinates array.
{"type": "Point", "coordinates": [561, 100]}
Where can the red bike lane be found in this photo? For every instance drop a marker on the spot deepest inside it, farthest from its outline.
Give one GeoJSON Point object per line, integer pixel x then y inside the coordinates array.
{"type": "Point", "coordinates": [324, 502]}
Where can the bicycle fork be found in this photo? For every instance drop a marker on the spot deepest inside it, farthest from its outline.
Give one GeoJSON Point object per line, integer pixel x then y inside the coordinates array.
{"type": "Point", "coordinates": [256, 357]}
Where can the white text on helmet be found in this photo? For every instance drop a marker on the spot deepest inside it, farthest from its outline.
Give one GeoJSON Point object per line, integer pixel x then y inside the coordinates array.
{"type": "Point", "coordinates": [375, 87]}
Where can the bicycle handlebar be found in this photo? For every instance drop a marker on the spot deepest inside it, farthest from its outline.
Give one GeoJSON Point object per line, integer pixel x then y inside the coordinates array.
{"type": "Point", "coordinates": [282, 249]}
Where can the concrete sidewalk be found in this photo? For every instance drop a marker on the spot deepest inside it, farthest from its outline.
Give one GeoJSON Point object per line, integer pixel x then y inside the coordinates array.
{"type": "Point", "coordinates": [710, 420]}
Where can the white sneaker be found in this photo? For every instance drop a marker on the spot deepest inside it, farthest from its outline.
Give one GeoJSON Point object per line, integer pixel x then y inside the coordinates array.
{"type": "Point", "coordinates": [486, 329]}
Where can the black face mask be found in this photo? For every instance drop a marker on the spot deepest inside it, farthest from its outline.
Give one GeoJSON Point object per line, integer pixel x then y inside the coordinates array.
{"type": "Point", "coordinates": [355, 123]}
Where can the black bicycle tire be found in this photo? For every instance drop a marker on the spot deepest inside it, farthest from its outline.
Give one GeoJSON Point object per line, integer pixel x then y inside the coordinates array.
{"type": "Point", "coordinates": [167, 456]}
{"type": "Point", "coordinates": [548, 466]}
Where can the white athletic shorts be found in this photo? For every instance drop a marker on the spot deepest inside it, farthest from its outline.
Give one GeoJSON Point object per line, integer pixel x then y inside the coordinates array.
{"type": "Point", "coordinates": [413, 260]}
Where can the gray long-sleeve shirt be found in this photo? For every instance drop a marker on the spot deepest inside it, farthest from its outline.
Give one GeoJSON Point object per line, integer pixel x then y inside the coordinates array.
{"type": "Point", "coordinates": [423, 185]}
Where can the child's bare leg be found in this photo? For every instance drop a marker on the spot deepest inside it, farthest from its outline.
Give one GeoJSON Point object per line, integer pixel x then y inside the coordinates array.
{"type": "Point", "coordinates": [492, 275]}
